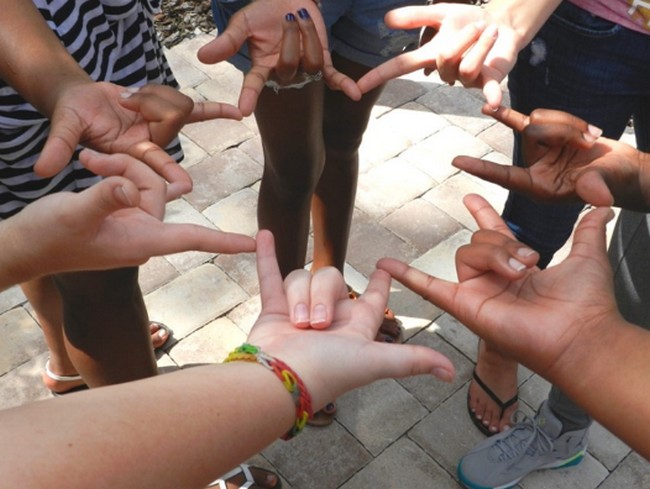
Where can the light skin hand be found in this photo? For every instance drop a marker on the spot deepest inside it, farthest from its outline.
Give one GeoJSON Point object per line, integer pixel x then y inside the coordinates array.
{"type": "Point", "coordinates": [344, 355]}
{"type": "Point", "coordinates": [260, 25]}
{"type": "Point", "coordinates": [105, 227]}
{"type": "Point", "coordinates": [111, 119]}
{"type": "Point", "coordinates": [468, 47]}
{"type": "Point", "coordinates": [567, 162]}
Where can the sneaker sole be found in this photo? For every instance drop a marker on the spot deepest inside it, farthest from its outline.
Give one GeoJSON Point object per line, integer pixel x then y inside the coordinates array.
{"type": "Point", "coordinates": [570, 462]}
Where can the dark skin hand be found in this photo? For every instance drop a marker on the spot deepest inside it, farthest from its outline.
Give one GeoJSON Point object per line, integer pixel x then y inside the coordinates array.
{"type": "Point", "coordinates": [300, 52]}
{"type": "Point", "coordinates": [567, 162]}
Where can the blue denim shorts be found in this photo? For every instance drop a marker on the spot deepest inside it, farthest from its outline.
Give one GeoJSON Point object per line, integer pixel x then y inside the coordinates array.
{"type": "Point", "coordinates": [355, 28]}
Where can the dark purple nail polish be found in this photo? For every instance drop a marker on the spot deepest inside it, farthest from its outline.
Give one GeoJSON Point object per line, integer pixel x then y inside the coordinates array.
{"type": "Point", "coordinates": [303, 13]}
{"type": "Point", "coordinates": [290, 17]}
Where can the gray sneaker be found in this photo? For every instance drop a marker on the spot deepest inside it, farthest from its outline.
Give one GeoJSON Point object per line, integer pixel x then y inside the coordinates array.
{"type": "Point", "coordinates": [501, 461]}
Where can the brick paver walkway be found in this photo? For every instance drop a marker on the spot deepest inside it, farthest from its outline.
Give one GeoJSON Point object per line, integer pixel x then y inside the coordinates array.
{"type": "Point", "coordinates": [392, 434]}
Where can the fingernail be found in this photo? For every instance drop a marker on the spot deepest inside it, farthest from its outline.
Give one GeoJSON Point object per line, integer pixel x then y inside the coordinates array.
{"type": "Point", "coordinates": [303, 14]}
{"type": "Point", "coordinates": [516, 265]}
{"type": "Point", "coordinates": [318, 314]}
{"type": "Point", "coordinates": [129, 91]}
{"type": "Point", "coordinates": [290, 17]}
{"type": "Point", "coordinates": [161, 333]}
{"type": "Point", "coordinates": [595, 131]}
{"type": "Point", "coordinates": [592, 133]}
{"type": "Point", "coordinates": [525, 252]}
{"type": "Point", "coordinates": [443, 374]}
{"type": "Point", "coordinates": [301, 313]}
{"type": "Point", "coordinates": [122, 196]}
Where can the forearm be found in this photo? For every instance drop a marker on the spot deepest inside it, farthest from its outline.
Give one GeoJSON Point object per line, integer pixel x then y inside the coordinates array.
{"type": "Point", "coordinates": [212, 419]}
{"type": "Point", "coordinates": [609, 376]}
{"type": "Point", "coordinates": [40, 68]}
{"type": "Point", "coordinates": [525, 17]}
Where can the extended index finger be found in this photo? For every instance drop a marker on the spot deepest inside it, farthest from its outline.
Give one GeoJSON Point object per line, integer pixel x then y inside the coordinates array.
{"type": "Point", "coordinates": [268, 273]}
{"type": "Point", "coordinates": [485, 215]}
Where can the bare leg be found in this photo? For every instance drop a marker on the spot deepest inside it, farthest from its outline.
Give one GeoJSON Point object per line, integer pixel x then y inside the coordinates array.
{"type": "Point", "coordinates": [46, 301]}
{"type": "Point", "coordinates": [106, 326]}
{"type": "Point", "coordinates": [290, 125]}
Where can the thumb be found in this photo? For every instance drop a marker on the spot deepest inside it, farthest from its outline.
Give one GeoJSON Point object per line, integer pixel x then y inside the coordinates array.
{"type": "Point", "coordinates": [108, 196]}
{"type": "Point", "coordinates": [590, 236]}
{"type": "Point", "coordinates": [62, 140]}
{"type": "Point", "coordinates": [592, 188]}
{"type": "Point", "coordinates": [398, 361]}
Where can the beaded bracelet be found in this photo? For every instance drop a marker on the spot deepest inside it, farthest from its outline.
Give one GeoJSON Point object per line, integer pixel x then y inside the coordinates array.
{"type": "Point", "coordinates": [289, 378]}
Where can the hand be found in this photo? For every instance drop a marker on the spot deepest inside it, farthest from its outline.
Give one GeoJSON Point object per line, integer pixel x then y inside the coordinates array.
{"type": "Point", "coordinates": [111, 119]}
{"type": "Point", "coordinates": [105, 226]}
{"type": "Point", "coordinates": [343, 356]}
{"type": "Point", "coordinates": [567, 162]}
{"type": "Point", "coordinates": [468, 46]}
{"type": "Point", "coordinates": [260, 24]}
{"type": "Point", "coordinates": [537, 317]}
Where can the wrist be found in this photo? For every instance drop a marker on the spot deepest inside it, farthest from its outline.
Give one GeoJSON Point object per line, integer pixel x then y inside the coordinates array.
{"type": "Point", "coordinates": [522, 17]}
{"type": "Point", "coordinates": [290, 380]}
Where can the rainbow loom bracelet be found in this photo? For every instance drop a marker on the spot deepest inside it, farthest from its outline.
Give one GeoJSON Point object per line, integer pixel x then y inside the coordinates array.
{"type": "Point", "coordinates": [289, 378]}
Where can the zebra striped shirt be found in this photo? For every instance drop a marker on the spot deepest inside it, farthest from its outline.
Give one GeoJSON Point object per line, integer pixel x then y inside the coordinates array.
{"type": "Point", "coordinates": [112, 40]}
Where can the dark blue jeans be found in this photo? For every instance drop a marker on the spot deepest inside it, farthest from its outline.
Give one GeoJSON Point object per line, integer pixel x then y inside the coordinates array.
{"type": "Point", "coordinates": [594, 69]}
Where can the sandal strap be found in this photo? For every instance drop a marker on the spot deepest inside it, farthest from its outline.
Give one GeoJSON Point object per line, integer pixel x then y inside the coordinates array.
{"type": "Point", "coordinates": [60, 378]}
{"type": "Point", "coordinates": [502, 405]}
{"type": "Point", "coordinates": [243, 468]}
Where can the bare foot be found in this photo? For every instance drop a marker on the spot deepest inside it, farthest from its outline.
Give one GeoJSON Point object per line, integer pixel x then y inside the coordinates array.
{"type": "Point", "coordinates": [499, 374]}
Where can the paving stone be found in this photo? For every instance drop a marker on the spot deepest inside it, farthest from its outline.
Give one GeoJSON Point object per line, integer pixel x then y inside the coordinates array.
{"type": "Point", "coordinates": [534, 390]}
{"type": "Point", "coordinates": [414, 121]}
{"type": "Point", "coordinates": [364, 413]}
{"type": "Point", "coordinates": [246, 313]}
{"type": "Point", "coordinates": [607, 448]}
{"type": "Point", "coordinates": [499, 137]}
{"type": "Point", "coordinates": [319, 457]}
{"type": "Point", "coordinates": [217, 134]}
{"type": "Point", "coordinates": [435, 154]}
{"type": "Point", "coordinates": [209, 344]}
{"type": "Point", "coordinates": [253, 148]}
{"type": "Point", "coordinates": [155, 273]}
{"type": "Point", "coordinates": [450, 193]}
{"type": "Point", "coordinates": [193, 152]}
{"type": "Point", "coordinates": [242, 268]}
{"type": "Point", "coordinates": [11, 297]}
{"type": "Point", "coordinates": [459, 106]}
{"type": "Point", "coordinates": [369, 241]}
{"type": "Point", "coordinates": [421, 224]}
{"type": "Point", "coordinates": [220, 176]}
{"type": "Point", "coordinates": [398, 92]}
{"type": "Point", "coordinates": [194, 299]}
{"type": "Point", "coordinates": [235, 214]}
{"type": "Point", "coordinates": [22, 339]}
{"type": "Point", "coordinates": [380, 143]}
{"type": "Point", "coordinates": [388, 186]}
{"type": "Point", "coordinates": [439, 261]}
{"type": "Point", "coordinates": [447, 433]}
{"type": "Point", "coordinates": [186, 73]}
{"type": "Point", "coordinates": [23, 384]}
{"type": "Point", "coordinates": [634, 471]}
{"type": "Point", "coordinates": [180, 211]}
{"type": "Point", "coordinates": [402, 465]}
{"type": "Point", "coordinates": [427, 389]}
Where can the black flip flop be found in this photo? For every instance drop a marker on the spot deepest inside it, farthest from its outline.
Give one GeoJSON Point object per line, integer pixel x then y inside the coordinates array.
{"type": "Point", "coordinates": [502, 405]}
